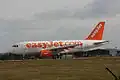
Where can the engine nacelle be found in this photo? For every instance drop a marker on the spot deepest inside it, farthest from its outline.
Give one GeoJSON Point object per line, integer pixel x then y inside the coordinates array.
{"type": "Point", "coordinates": [46, 53]}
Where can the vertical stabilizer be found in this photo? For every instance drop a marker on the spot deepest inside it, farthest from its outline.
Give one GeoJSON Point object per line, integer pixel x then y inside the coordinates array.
{"type": "Point", "coordinates": [97, 33]}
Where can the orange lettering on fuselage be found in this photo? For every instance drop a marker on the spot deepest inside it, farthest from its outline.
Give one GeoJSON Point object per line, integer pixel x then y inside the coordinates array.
{"type": "Point", "coordinates": [44, 45]}
{"type": "Point", "coordinates": [78, 42]}
{"type": "Point", "coordinates": [28, 45]}
{"type": "Point", "coordinates": [72, 43]}
{"type": "Point", "coordinates": [34, 45]}
{"type": "Point", "coordinates": [51, 44]}
{"type": "Point", "coordinates": [67, 43]}
{"type": "Point", "coordinates": [61, 43]}
{"type": "Point", "coordinates": [56, 44]}
{"type": "Point", "coordinates": [39, 45]}
{"type": "Point", "coordinates": [81, 43]}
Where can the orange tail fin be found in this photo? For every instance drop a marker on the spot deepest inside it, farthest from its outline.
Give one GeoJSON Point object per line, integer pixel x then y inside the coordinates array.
{"type": "Point", "coordinates": [97, 32]}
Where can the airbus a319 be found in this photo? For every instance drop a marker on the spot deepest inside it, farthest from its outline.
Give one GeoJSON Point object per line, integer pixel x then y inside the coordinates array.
{"type": "Point", "coordinates": [45, 48]}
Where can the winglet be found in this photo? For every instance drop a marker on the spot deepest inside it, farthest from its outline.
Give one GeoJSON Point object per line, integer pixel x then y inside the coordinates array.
{"type": "Point", "coordinates": [97, 33]}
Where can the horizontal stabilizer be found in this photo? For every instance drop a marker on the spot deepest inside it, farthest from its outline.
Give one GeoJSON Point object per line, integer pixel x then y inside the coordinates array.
{"type": "Point", "coordinates": [97, 43]}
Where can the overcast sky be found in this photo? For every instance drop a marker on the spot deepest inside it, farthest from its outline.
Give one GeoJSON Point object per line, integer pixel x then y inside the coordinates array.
{"type": "Point", "coordinates": [24, 20]}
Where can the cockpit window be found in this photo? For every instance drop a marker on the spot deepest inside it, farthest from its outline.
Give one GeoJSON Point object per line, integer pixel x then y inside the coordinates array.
{"type": "Point", "coordinates": [15, 46]}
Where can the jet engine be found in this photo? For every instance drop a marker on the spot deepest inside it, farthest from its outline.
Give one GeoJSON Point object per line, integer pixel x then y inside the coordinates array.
{"type": "Point", "coordinates": [46, 54]}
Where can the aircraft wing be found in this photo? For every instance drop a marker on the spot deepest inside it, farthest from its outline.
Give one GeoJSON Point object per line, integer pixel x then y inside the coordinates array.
{"type": "Point", "coordinates": [87, 49]}
{"type": "Point", "coordinates": [63, 47]}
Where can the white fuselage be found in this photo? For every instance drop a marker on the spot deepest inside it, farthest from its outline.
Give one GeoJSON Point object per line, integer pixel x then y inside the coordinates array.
{"type": "Point", "coordinates": [36, 46]}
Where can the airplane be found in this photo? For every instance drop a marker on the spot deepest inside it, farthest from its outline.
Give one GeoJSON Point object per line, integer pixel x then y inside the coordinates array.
{"type": "Point", "coordinates": [46, 48]}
